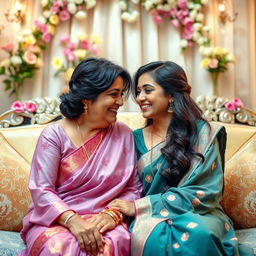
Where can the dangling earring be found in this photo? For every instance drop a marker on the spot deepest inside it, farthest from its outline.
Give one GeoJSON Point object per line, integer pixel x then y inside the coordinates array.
{"type": "Point", "coordinates": [170, 108]}
{"type": "Point", "coordinates": [85, 108]}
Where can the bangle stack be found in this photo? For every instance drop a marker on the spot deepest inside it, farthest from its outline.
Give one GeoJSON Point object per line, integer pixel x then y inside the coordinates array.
{"type": "Point", "coordinates": [114, 214]}
{"type": "Point", "coordinates": [68, 218]}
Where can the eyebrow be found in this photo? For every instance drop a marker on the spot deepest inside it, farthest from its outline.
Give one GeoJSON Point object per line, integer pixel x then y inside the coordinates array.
{"type": "Point", "coordinates": [114, 90]}
{"type": "Point", "coordinates": [145, 85]}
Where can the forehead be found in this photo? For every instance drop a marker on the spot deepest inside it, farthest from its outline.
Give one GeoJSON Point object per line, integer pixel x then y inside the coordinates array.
{"type": "Point", "coordinates": [146, 79]}
{"type": "Point", "coordinates": [118, 84]}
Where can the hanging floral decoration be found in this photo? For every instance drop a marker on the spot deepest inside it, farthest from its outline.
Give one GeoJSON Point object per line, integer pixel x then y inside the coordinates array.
{"type": "Point", "coordinates": [23, 60]}
{"type": "Point", "coordinates": [74, 52]}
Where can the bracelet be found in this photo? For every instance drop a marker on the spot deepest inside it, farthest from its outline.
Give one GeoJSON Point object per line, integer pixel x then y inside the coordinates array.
{"type": "Point", "coordinates": [112, 214]}
{"type": "Point", "coordinates": [68, 218]}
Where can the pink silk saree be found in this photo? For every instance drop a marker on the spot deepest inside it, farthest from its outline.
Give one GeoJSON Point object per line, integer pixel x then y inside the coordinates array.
{"type": "Point", "coordinates": [62, 179]}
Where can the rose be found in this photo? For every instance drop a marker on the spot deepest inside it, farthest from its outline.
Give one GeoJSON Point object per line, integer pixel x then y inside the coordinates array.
{"type": "Point", "coordinates": [18, 106]}
{"type": "Point", "coordinates": [30, 57]}
{"type": "Point", "coordinates": [30, 107]}
{"type": "Point", "coordinates": [230, 106]}
{"type": "Point", "coordinates": [7, 47]}
{"type": "Point", "coordinates": [234, 104]}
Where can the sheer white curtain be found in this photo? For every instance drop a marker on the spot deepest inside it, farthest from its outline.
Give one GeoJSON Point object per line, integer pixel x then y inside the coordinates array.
{"type": "Point", "coordinates": [132, 45]}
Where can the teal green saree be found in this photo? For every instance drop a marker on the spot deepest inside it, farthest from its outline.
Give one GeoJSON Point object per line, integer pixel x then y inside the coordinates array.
{"type": "Point", "coordinates": [187, 219]}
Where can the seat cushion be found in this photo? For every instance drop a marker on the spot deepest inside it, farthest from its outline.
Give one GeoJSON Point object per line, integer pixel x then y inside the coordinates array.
{"type": "Point", "coordinates": [14, 194]}
{"type": "Point", "coordinates": [10, 243]}
{"type": "Point", "coordinates": [247, 237]}
{"type": "Point", "coordinates": [239, 199]}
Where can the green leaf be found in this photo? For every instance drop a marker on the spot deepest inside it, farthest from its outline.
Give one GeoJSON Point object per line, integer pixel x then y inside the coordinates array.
{"type": "Point", "coordinates": [2, 70]}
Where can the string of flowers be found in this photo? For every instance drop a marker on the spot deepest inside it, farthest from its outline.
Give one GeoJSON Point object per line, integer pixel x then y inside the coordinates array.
{"type": "Point", "coordinates": [185, 15]}
{"type": "Point", "coordinates": [74, 52]}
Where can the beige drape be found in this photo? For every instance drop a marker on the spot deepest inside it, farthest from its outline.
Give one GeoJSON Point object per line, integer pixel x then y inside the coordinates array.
{"type": "Point", "coordinates": [132, 45]}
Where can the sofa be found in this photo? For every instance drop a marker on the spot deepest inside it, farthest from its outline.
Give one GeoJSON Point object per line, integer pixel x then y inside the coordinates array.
{"type": "Point", "coordinates": [17, 144]}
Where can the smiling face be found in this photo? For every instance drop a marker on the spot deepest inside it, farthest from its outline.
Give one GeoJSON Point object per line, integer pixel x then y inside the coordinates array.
{"type": "Point", "coordinates": [151, 98]}
{"type": "Point", "coordinates": [103, 110]}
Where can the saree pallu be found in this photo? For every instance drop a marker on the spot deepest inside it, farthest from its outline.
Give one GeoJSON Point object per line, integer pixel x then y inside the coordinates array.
{"type": "Point", "coordinates": [187, 219]}
{"type": "Point", "coordinates": [62, 179]}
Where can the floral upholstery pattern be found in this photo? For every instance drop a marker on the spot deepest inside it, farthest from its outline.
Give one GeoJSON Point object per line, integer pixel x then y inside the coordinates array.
{"type": "Point", "coordinates": [239, 200]}
{"type": "Point", "coordinates": [14, 194]}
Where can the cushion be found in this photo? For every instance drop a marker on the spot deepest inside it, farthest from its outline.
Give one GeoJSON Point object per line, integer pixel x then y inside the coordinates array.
{"type": "Point", "coordinates": [247, 237]}
{"type": "Point", "coordinates": [14, 194]}
{"type": "Point", "coordinates": [10, 243]}
{"type": "Point", "coordinates": [239, 199]}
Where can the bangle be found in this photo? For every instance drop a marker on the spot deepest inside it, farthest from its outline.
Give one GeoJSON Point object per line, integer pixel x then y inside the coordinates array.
{"type": "Point", "coordinates": [113, 215]}
{"type": "Point", "coordinates": [68, 218]}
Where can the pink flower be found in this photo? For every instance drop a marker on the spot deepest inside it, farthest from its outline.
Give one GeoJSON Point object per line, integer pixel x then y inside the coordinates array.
{"type": "Point", "coordinates": [64, 15]}
{"type": "Point", "coordinates": [64, 39]}
{"type": "Point", "coordinates": [213, 63]}
{"type": "Point", "coordinates": [72, 46]}
{"type": "Point", "coordinates": [30, 107]}
{"type": "Point", "coordinates": [230, 106]}
{"type": "Point", "coordinates": [47, 37]}
{"type": "Point", "coordinates": [182, 3]}
{"type": "Point", "coordinates": [238, 103]}
{"type": "Point", "coordinates": [157, 19]}
{"type": "Point", "coordinates": [175, 23]}
{"type": "Point", "coordinates": [18, 106]}
{"type": "Point", "coordinates": [84, 44]}
{"type": "Point", "coordinates": [71, 56]}
{"type": "Point", "coordinates": [7, 47]}
{"type": "Point", "coordinates": [66, 51]}
{"type": "Point", "coordinates": [30, 57]}
{"type": "Point", "coordinates": [94, 49]}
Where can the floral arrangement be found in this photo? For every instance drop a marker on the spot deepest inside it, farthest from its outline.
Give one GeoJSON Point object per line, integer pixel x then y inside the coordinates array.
{"type": "Point", "coordinates": [234, 105]}
{"type": "Point", "coordinates": [185, 15]}
{"type": "Point", "coordinates": [74, 52]}
{"type": "Point", "coordinates": [216, 59]}
{"type": "Point", "coordinates": [24, 59]}
{"type": "Point", "coordinates": [19, 107]}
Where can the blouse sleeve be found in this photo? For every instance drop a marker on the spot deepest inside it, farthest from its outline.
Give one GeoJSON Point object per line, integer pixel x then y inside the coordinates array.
{"type": "Point", "coordinates": [43, 178]}
{"type": "Point", "coordinates": [200, 193]}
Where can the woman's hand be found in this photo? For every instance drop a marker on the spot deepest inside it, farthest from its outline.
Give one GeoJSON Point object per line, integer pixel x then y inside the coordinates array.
{"type": "Point", "coordinates": [126, 207]}
{"type": "Point", "coordinates": [103, 221]}
{"type": "Point", "coordinates": [87, 234]}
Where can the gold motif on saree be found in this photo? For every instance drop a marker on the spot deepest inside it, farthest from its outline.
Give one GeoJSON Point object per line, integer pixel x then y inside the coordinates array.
{"type": "Point", "coordinates": [196, 202]}
{"type": "Point", "coordinates": [227, 227]}
{"type": "Point", "coordinates": [164, 213]}
{"type": "Point", "coordinates": [234, 238]}
{"type": "Point", "coordinates": [169, 222]}
{"type": "Point", "coordinates": [200, 193]}
{"type": "Point", "coordinates": [148, 178]}
{"type": "Point", "coordinates": [176, 246]}
{"type": "Point", "coordinates": [192, 225]}
{"type": "Point", "coordinates": [213, 166]}
{"type": "Point", "coordinates": [184, 237]}
{"type": "Point", "coordinates": [171, 197]}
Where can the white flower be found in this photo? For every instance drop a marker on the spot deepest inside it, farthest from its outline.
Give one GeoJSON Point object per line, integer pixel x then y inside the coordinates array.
{"type": "Point", "coordinates": [26, 32]}
{"type": "Point", "coordinates": [197, 6]}
{"type": "Point", "coordinates": [44, 2]}
{"type": "Point", "coordinates": [197, 26]}
{"type": "Point", "coordinates": [16, 60]}
{"type": "Point", "coordinates": [199, 17]}
{"type": "Point", "coordinates": [191, 5]}
{"type": "Point", "coordinates": [201, 40]}
{"type": "Point", "coordinates": [230, 57]}
{"type": "Point", "coordinates": [125, 16]}
{"type": "Point", "coordinates": [201, 49]}
{"type": "Point", "coordinates": [206, 28]}
{"type": "Point", "coordinates": [133, 16]}
{"type": "Point", "coordinates": [193, 14]}
{"type": "Point", "coordinates": [204, 1]}
{"type": "Point", "coordinates": [135, 1]}
{"type": "Point", "coordinates": [78, 1]}
{"type": "Point", "coordinates": [148, 5]}
{"type": "Point", "coordinates": [196, 36]}
{"type": "Point", "coordinates": [184, 43]}
{"type": "Point", "coordinates": [42, 19]}
{"type": "Point", "coordinates": [72, 8]}
{"type": "Point", "coordinates": [122, 5]}
{"type": "Point", "coordinates": [167, 7]}
{"type": "Point", "coordinates": [80, 15]}
{"type": "Point", "coordinates": [207, 51]}
{"type": "Point", "coordinates": [20, 38]}
{"type": "Point", "coordinates": [5, 63]}
{"type": "Point", "coordinates": [90, 3]}
{"type": "Point", "coordinates": [47, 14]}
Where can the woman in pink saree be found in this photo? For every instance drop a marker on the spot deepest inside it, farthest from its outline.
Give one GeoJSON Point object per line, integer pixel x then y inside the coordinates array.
{"type": "Point", "coordinates": [80, 164]}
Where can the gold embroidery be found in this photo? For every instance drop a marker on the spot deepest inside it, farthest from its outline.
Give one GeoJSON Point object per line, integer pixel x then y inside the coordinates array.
{"type": "Point", "coordinates": [227, 227]}
{"type": "Point", "coordinates": [184, 237]}
{"type": "Point", "coordinates": [148, 178]}
{"type": "Point", "coordinates": [176, 246]}
{"type": "Point", "coordinates": [169, 222]}
{"type": "Point", "coordinates": [195, 202]}
{"type": "Point", "coordinates": [213, 166]}
{"type": "Point", "coordinates": [192, 225]}
{"type": "Point", "coordinates": [164, 212]}
{"type": "Point", "coordinates": [200, 193]}
{"type": "Point", "coordinates": [171, 197]}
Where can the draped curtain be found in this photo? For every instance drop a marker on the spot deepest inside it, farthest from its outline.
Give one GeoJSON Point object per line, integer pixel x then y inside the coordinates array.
{"type": "Point", "coordinates": [134, 44]}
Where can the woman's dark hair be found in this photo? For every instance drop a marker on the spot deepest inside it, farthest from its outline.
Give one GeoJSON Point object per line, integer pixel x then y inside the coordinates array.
{"type": "Point", "coordinates": [182, 132]}
{"type": "Point", "coordinates": [91, 77]}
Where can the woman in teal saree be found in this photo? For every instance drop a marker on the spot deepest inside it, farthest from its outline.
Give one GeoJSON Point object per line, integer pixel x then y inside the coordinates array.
{"type": "Point", "coordinates": [180, 163]}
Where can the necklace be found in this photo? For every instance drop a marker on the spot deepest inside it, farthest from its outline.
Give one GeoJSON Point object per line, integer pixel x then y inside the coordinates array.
{"type": "Point", "coordinates": [84, 149]}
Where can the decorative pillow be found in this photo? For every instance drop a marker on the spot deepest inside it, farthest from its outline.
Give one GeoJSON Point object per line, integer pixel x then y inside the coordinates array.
{"type": "Point", "coordinates": [14, 194]}
{"type": "Point", "coordinates": [239, 199]}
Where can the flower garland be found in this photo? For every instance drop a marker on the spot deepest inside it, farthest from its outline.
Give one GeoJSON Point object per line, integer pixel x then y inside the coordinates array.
{"type": "Point", "coordinates": [22, 62]}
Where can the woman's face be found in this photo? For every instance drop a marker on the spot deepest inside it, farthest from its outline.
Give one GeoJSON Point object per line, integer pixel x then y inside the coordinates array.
{"type": "Point", "coordinates": [151, 98]}
{"type": "Point", "coordinates": [104, 109]}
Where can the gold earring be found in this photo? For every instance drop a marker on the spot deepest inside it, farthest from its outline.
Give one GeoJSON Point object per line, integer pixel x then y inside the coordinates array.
{"type": "Point", "coordinates": [170, 108]}
{"type": "Point", "coordinates": [85, 108]}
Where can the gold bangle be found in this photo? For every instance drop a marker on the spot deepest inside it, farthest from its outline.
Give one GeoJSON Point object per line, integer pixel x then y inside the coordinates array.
{"type": "Point", "coordinates": [69, 217]}
{"type": "Point", "coordinates": [112, 215]}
